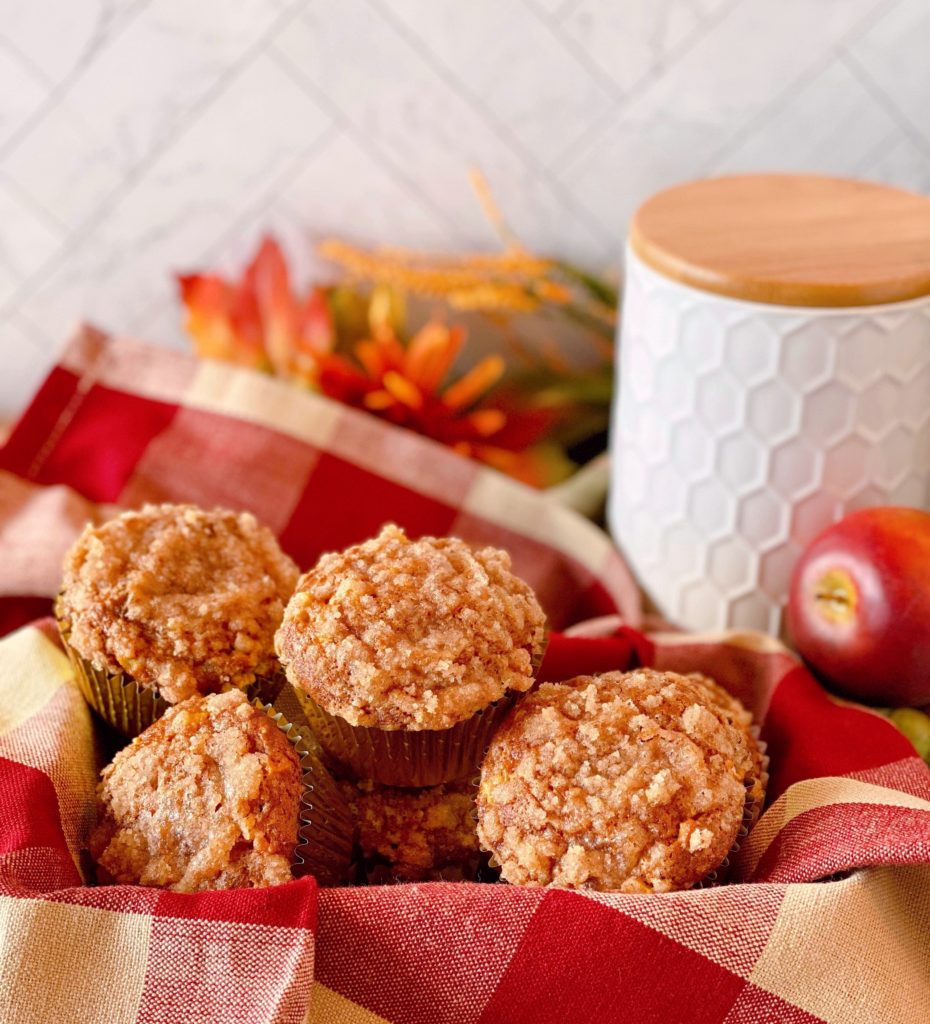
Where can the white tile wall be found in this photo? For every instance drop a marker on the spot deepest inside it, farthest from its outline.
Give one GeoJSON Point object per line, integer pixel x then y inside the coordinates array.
{"type": "Point", "coordinates": [140, 137]}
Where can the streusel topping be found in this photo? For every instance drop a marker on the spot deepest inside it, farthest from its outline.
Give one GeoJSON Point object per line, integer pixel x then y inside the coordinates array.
{"type": "Point", "coordinates": [418, 832]}
{"type": "Point", "coordinates": [206, 798]}
{"type": "Point", "coordinates": [180, 598]}
{"type": "Point", "coordinates": [624, 781]}
{"type": "Point", "coordinates": [749, 759]}
{"type": "Point", "coordinates": [411, 634]}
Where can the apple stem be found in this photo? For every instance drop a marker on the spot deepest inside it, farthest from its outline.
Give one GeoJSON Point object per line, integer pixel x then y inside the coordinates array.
{"type": "Point", "coordinates": [835, 595]}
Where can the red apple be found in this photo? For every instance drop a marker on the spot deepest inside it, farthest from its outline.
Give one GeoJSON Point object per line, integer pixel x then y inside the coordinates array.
{"type": "Point", "coordinates": [859, 608]}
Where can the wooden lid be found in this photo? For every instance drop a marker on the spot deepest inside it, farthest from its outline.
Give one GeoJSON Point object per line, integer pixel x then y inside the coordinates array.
{"type": "Point", "coordinates": [789, 239]}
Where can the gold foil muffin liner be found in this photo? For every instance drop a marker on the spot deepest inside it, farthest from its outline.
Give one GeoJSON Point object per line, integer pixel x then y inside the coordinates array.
{"type": "Point", "coordinates": [325, 830]}
{"type": "Point", "coordinates": [116, 697]}
{"type": "Point", "coordinates": [407, 757]}
{"type": "Point", "coordinates": [128, 706]}
{"type": "Point", "coordinates": [267, 689]}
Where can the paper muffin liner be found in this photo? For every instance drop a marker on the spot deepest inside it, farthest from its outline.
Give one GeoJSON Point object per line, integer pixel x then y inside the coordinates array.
{"type": "Point", "coordinates": [128, 706]}
{"type": "Point", "coordinates": [408, 758]}
{"type": "Point", "coordinates": [404, 757]}
{"type": "Point", "coordinates": [751, 811]}
{"type": "Point", "coordinates": [325, 830]}
{"type": "Point", "coordinates": [116, 697]}
{"type": "Point", "coordinates": [267, 689]}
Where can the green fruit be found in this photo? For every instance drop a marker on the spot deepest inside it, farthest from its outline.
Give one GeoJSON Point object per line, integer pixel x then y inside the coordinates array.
{"type": "Point", "coordinates": [916, 727]}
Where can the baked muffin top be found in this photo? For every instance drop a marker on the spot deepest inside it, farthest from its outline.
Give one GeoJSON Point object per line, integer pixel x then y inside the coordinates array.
{"type": "Point", "coordinates": [207, 797]}
{"type": "Point", "coordinates": [623, 781]}
{"type": "Point", "coordinates": [182, 599]}
{"type": "Point", "coordinates": [418, 832]}
{"type": "Point", "coordinates": [411, 634]}
{"type": "Point", "coordinates": [749, 759]}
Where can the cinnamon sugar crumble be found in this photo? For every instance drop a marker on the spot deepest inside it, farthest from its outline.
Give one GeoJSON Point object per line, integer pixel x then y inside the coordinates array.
{"type": "Point", "coordinates": [748, 759]}
{"type": "Point", "coordinates": [206, 798]}
{"type": "Point", "coordinates": [179, 598]}
{"type": "Point", "coordinates": [411, 634]}
{"type": "Point", "coordinates": [418, 832]}
{"type": "Point", "coordinates": [624, 781]}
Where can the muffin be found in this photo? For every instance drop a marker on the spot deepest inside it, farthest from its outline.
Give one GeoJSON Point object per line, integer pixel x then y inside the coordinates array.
{"type": "Point", "coordinates": [208, 797]}
{"type": "Point", "coordinates": [405, 654]}
{"type": "Point", "coordinates": [629, 782]}
{"type": "Point", "coordinates": [168, 602]}
{"type": "Point", "coordinates": [415, 835]}
{"type": "Point", "coordinates": [751, 761]}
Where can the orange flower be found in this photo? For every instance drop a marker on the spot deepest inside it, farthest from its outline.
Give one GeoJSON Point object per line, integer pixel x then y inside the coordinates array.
{"type": "Point", "coordinates": [404, 384]}
{"type": "Point", "coordinates": [259, 322]}
{"type": "Point", "coordinates": [324, 342]}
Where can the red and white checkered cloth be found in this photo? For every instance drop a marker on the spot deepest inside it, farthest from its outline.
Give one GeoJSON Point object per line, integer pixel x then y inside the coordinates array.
{"type": "Point", "coordinates": [117, 424]}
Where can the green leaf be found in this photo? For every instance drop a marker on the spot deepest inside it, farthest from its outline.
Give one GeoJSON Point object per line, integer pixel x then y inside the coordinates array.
{"type": "Point", "coordinates": [598, 287]}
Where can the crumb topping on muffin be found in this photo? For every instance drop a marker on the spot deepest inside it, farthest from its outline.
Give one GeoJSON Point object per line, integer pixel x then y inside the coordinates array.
{"type": "Point", "coordinates": [411, 634]}
{"type": "Point", "coordinates": [749, 759]}
{"type": "Point", "coordinates": [623, 781]}
{"type": "Point", "coordinates": [179, 598]}
{"type": "Point", "coordinates": [208, 797]}
{"type": "Point", "coordinates": [418, 832]}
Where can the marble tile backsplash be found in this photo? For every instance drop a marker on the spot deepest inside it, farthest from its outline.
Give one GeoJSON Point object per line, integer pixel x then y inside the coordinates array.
{"type": "Point", "coordinates": [142, 137]}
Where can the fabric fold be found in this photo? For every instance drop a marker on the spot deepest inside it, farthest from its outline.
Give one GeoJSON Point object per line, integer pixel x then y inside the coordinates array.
{"type": "Point", "coordinates": [830, 908]}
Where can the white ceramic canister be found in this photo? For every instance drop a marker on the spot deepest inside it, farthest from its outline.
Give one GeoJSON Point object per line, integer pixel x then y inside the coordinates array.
{"type": "Point", "coordinates": [771, 379]}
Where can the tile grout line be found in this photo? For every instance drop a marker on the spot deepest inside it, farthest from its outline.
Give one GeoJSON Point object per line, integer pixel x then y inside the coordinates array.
{"type": "Point", "coordinates": [25, 200]}
{"type": "Point", "coordinates": [136, 175]}
{"type": "Point", "coordinates": [870, 158]}
{"type": "Point", "coordinates": [267, 199]}
{"type": "Point", "coordinates": [60, 89]}
{"type": "Point", "coordinates": [566, 8]}
{"type": "Point", "coordinates": [881, 97]}
{"type": "Point", "coordinates": [589, 138]}
{"type": "Point", "coordinates": [345, 121]}
{"type": "Point", "coordinates": [867, 22]}
{"type": "Point", "coordinates": [37, 75]}
{"type": "Point", "coordinates": [41, 340]}
{"type": "Point", "coordinates": [792, 89]}
{"type": "Point", "coordinates": [581, 214]}
{"type": "Point", "coordinates": [319, 145]}
{"type": "Point", "coordinates": [758, 122]}
{"type": "Point", "coordinates": [581, 57]}
{"type": "Point", "coordinates": [28, 283]}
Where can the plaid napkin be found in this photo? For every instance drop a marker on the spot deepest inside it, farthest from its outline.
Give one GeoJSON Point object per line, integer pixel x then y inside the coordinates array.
{"type": "Point", "coordinates": [829, 911]}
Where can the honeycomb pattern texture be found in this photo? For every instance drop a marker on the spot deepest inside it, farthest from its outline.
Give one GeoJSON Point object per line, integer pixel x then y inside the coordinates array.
{"type": "Point", "coordinates": [742, 430]}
